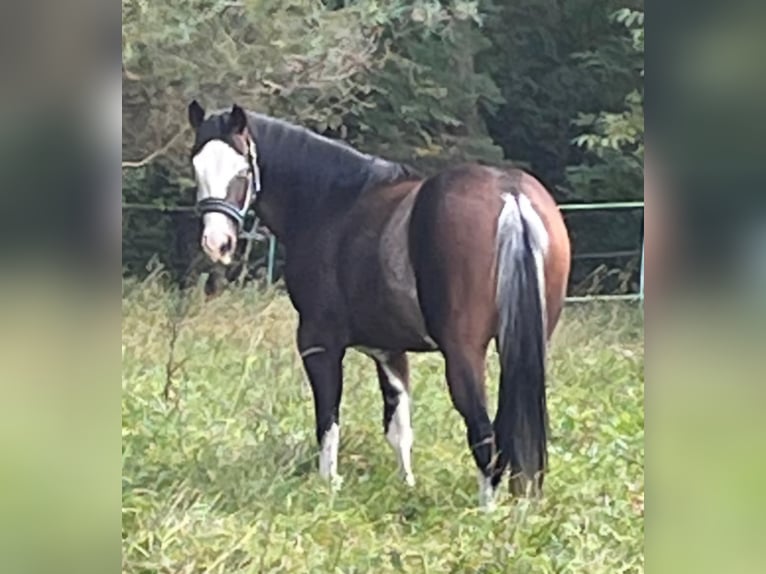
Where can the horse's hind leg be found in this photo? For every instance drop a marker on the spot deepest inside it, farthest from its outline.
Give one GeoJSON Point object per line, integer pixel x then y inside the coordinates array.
{"type": "Point", "coordinates": [452, 247]}
{"type": "Point", "coordinates": [465, 377]}
{"type": "Point", "coordinates": [393, 376]}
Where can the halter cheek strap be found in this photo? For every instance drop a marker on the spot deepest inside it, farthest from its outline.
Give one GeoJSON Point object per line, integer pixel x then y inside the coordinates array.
{"type": "Point", "coordinates": [255, 190]}
{"type": "Point", "coordinates": [255, 171]}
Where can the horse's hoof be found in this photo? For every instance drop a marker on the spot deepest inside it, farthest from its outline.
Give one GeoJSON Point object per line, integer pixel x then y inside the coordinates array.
{"type": "Point", "coordinates": [488, 506]}
{"type": "Point", "coordinates": [336, 482]}
{"type": "Point", "coordinates": [409, 480]}
{"type": "Point", "coordinates": [486, 493]}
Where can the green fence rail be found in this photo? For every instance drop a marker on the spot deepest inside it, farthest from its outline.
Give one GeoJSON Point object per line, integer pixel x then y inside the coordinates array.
{"type": "Point", "coordinates": [601, 206]}
{"type": "Point", "coordinates": [565, 207]}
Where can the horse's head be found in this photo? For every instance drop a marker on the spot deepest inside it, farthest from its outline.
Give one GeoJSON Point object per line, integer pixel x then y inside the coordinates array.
{"type": "Point", "coordinates": [225, 163]}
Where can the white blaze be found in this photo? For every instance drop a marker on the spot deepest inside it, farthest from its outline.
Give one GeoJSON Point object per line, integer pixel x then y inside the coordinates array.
{"type": "Point", "coordinates": [215, 165]}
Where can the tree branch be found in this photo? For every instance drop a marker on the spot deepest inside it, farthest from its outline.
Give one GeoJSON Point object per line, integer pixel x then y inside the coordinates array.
{"type": "Point", "coordinates": [132, 76]}
{"type": "Point", "coordinates": [155, 154]}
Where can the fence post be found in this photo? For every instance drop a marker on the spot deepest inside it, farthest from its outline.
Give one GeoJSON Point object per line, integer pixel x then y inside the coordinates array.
{"type": "Point", "coordinates": [272, 256]}
{"type": "Point", "coordinates": [641, 280]}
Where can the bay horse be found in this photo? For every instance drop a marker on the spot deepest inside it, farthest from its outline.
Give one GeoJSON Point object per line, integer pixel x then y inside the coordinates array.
{"type": "Point", "coordinates": [385, 261]}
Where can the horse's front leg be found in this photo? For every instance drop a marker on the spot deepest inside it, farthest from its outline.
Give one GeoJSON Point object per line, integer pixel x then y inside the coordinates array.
{"type": "Point", "coordinates": [323, 361]}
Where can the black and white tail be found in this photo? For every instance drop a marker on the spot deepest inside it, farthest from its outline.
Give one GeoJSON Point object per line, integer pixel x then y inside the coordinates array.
{"type": "Point", "coordinates": [522, 419]}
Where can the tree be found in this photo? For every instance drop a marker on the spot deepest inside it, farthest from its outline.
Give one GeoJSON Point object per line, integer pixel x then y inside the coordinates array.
{"type": "Point", "coordinates": [614, 140]}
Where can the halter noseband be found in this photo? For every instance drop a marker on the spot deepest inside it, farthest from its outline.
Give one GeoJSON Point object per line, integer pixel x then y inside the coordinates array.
{"type": "Point", "coordinates": [236, 214]}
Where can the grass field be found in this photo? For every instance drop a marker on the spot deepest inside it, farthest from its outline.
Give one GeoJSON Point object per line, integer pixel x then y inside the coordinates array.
{"type": "Point", "coordinates": [220, 476]}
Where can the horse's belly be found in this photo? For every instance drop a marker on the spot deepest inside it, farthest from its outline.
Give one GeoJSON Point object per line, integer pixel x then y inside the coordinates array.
{"type": "Point", "coordinates": [395, 325]}
{"type": "Point", "coordinates": [398, 320]}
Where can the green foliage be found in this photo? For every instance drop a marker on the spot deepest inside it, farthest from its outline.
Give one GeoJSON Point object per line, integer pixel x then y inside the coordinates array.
{"type": "Point", "coordinates": [424, 99]}
{"type": "Point", "coordinates": [615, 140]}
{"type": "Point", "coordinates": [557, 62]}
{"type": "Point", "coordinates": [381, 74]}
{"type": "Point", "coordinates": [147, 229]}
{"type": "Point", "coordinates": [291, 58]}
{"type": "Point", "coordinates": [221, 477]}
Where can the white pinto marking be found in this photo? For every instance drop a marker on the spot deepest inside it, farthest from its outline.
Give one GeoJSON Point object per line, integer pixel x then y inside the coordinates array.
{"type": "Point", "coordinates": [399, 434]}
{"type": "Point", "coordinates": [486, 493]}
{"type": "Point", "coordinates": [328, 456]}
{"type": "Point", "coordinates": [215, 165]}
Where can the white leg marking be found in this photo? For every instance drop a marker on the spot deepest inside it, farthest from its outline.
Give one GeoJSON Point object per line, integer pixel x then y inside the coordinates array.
{"type": "Point", "coordinates": [399, 433]}
{"type": "Point", "coordinates": [400, 437]}
{"type": "Point", "coordinates": [328, 456]}
{"type": "Point", "coordinates": [486, 493]}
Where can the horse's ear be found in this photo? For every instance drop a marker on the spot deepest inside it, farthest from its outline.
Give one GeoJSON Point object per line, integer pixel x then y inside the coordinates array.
{"type": "Point", "coordinates": [238, 120]}
{"type": "Point", "coordinates": [196, 114]}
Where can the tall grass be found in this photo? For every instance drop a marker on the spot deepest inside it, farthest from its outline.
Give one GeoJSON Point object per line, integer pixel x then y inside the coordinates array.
{"type": "Point", "coordinates": [219, 456]}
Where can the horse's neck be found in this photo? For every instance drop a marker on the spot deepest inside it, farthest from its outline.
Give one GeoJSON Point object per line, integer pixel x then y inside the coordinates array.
{"type": "Point", "coordinates": [308, 178]}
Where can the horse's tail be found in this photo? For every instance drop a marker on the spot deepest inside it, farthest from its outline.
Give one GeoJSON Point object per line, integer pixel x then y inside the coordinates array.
{"type": "Point", "coordinates": [522, 419]}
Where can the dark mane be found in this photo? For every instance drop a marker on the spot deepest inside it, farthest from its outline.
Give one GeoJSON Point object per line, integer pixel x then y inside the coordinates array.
{"type": "Point", "coordinates": [326, 162]}
{"type": "Point", "coordinates": [314, 170]}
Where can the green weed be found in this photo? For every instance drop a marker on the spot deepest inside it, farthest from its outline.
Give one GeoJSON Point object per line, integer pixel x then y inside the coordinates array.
{"type": "Point", "coordinates": [219, 455]}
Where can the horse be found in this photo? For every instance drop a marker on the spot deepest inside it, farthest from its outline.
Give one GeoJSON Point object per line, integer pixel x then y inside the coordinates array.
{"type": "Point", "coordinates": [385, 261]}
